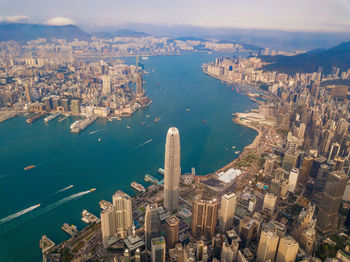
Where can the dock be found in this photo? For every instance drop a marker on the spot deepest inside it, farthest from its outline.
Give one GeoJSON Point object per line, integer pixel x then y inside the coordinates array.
{"type": "Point", "coordinates": [34, 118]}
{"type": "Point", "coordinates": [51, 117]}
{"type": "Point", "coordinates": [104, 204]}
{"type": "Point", "coordinates": [46, 244]}
{"type": "Point", "coordinates": [138, 187]}
{"type": "Point", "coordinates": [64, 118]}
{"type": "Point", "coordinates": [70, 229]}
{"type": "Point", "coordinates": [88, 217]}
{"type": "Point", "coordinates": [151, 179]}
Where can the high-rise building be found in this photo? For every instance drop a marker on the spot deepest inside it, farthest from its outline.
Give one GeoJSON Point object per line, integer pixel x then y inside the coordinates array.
{"type": "Point", "coordinates": [127, 257]}
{"type": "Point", "coordinates": [334, 152]}
{"type": "Point", "coordinates": [28, 93]}
{"type": "Point", "coordinates": [204, 217]}
{"type": "Point", "coordinates": [287, 250]}
{"type": "Point", "coordinates": [202, 251]}
{"type": "Point", "coordinates": [139, 85]}
{"type": "Point", "coordinates": [327, 216]}
{"type": "Point", "coordinates": [247, 229]}
{"type": "Point", "coordinates": [48, 103]}
{"type": "Point", "coordinates": [270, 165]}
{"type": "Point", "coordinates": [108, 226]}
{"type": "Point", "coordinates": [123, 211]}
{"type": "Point", "coordinates": [229, 252]}
{"type": "Point", "coordinates": [267, 246]}
{"type": "Point", "coordinates": [321, 178]}
{"type": "Point", "coordinates": [158, 249]}
{"type": "Point", "coordinates": [305, 169]}
{"type": "Point", "coordinates": [293, 179]}
{"type": "Point", "coordinates": [307, 239]}
{"type": "Point", "coordinates": [65, 104]}
{"type": "Point", "coordinates": [172, 169]}
{"type": "Point", "coordinates": [75, 106]}
{"type": "Point", "coordinates": [227, 211]}
{"type": "Point", "coordinates": [171, 231]}
{"type": "Point", "coordinates": [290, 160]}
{"type": "Point", "coordinates": [269, 203]}
{"type": "Point", "coordinates": [106, 84]}
{"type": "Point", "coordinates": [56, 101]}
{"type": "Point", "coordinates": [152, 224]}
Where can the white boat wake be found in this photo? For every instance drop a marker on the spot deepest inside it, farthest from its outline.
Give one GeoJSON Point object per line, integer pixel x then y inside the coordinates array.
{"type": "Point", "coordinates": [64, 189]}
{"type": "Point", "coordinates": [20, 213]}
{"type": "Point", "coordinates": [96, 131]}
{"type": "Point", "coordinates": [142, 144]}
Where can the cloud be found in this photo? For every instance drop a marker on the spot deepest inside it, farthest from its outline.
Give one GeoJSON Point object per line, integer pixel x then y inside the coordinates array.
{"type": "Point", "coordinates": [16, 18]}
{"type": "Point", "coordinates": [58, 20]}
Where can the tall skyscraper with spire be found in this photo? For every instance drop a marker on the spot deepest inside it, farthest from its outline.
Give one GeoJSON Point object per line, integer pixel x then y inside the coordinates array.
{"type": "Point", "coordinates": [172, 169]}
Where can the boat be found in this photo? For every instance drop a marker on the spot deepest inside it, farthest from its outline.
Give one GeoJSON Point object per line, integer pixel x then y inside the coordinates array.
{"type": "Point", "coordinates": [142, 123]}
{"type": "Point", "coordinates": [187, 109]}
{"type": "Point", "coordinates": [161, 171]}
{"type": "Point", "coordinates": [138, 187]}
{"type": "Point", "coordinates": [237, 152]}
{"type": "Point", "coordinates": [233, 147]}
{"type": "Point", "coordinates": [127, 126]}
{"type": "Point", "coordinates": [156, 119]}
{"type": "Point", "coordinates": [147, 116]}
{"type": "Point", "coordinates": [145, 58]}
{"type": "Point", "coordinates": [226, 149]}
{"type": "Point", "coordinates": [204, 121]}
{"type": "Point", "coordinates": [99, 139]}
{"type": "Point", "coordinates": [50, 117]}
{"type": "Point", "coordinates": [29, 167]}
{"type": "Point", "coordinates": [149, 178]}
{"type": "Point", "coordinates": [110, 119]}
{"type": "Point", "coordinates": [92, 189]}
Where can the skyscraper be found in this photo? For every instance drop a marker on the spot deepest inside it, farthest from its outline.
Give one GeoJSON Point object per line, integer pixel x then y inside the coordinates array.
{"type": "Point", "coordinates": [172, 231]}
{"type": "Point", "coordinates": [267, 246]}
{"type": "Point", "coordinates": [139, 85]}
{"type": "Point", "coordinates": [172, 169]}
{"type": "Point", "coordinates": [227, 211]}
{"type": "Point", "coordinates": [108, 226]}
{"type": "Point", "coordinates": [305, 169]}
{"type": "Point", "coordinates": [293, 179]}
{"type": "Point", "coordinates": [123, 210]}
{"type": "Point", "coordinates": [106, 82]}
{"type": "Point", "coordinates": [152, 224]}
{"type": "Point", "coordinates": [287, 250]}
{"type": "Point", "coordinates": [28, 93]}
{"type": "Point", "coordinates": [158, 249]}
{"type": "Point", "coordinates": [204, 217]}
{"type": "Point", "coordinates": [327, 216]}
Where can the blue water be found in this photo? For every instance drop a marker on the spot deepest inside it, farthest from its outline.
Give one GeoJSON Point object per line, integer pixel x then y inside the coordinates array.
{"type": "Point", "coordinates": [63, 159]}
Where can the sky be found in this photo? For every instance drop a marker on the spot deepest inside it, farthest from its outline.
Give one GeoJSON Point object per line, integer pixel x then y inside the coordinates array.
{"type": "Point", "coordinates": [288, 15]}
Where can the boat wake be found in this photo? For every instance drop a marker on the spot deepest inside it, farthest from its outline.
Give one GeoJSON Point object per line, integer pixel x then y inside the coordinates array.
{"type": "Point", "coordinates": [64, 189]}
{"type": "Point", "coordinates": [142, 144]}
{"type": "Point", "coordinates": [96, 131]}
{"type": "Point", "coordinates": [20, 213]}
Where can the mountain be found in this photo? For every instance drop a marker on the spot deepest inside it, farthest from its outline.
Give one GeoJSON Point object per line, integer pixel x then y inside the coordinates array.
{"type": "Point", "coordinates": [121, 33]}
{"type": "Point", "coordinates": [309, 62]}
{"type": "Point", "coordinates": [26, 32]}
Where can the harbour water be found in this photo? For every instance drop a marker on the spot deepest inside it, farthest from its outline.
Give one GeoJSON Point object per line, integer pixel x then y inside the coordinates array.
{"type": "Point", "coordinates": [121, 156]}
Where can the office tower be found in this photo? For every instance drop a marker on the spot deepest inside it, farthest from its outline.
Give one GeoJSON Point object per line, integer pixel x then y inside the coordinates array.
{"type": "Point", "coordinates": [227, 211]}
{"type": "Point", "coordinates": [241, 257]}
{"type": "Point", "coordinates": [171, 231]}
{"type": "Point", "coordinates": [301, 131]}
{"type": "Point", "coordinates": [55, 102]}
{"type": "Point", "coordinates": [307, 239]}
{"type": "Point", "coordinates": [179, 250]}
{"type": "Point", "coordinates": [293, 179]}
{"type": "Point", "coordinates": [339, 163]}
{"type": "Point", "coordinates": [289, 160]}
{"type": "Point", "coordinates": [75, 106]}
{"type": "Point", "coordinates": [284, 189]}
{"type": "Point", "coordinates": [28, 93]}
{"type": "Point", "coordinates": [229, 252]}
{"type": "Point", "coordinates": [252, 204]}
{"type": "Point", "coordinates": [139, 85]}
{"type": "Point", "coordinates": [158, 249]}
{"type": "Point", "coordinates": [267, 246]}
{"type": "Point", "coordinates": [305, 169]}
{"type": "Point", "coordinates": [137, 256]}
{"type": "Point", "coordinates": [275, 187]}
{"type": "Point", "coordinates": [152, 224]}
{"type": "Point", "coordinates": [327, 216]}
{"type": "Point", "coordinates": [65, 104]}
{"type": "Point", "coordinates": [204, 217]}
{"type": "Point", "coordinates": [48, 103]}
{"type": "Point", "coordinates": [201, 251]}
{"type": "Point", "coordinates": [269, 203]}
{"type": "Point", "coordinates": [172, 169]}
{"type": "Point", "coordinates": [123, 210]}
{"type": "Point", "coordinates": [269, 165]}
{"type": "Point", "coordinates": [106, 84]}
{"type": "Point", "coordinates": [287, 250]}
{"type": "Point", "coordinates": [321, 178]}
{"type": "Point", "coordinates": [334, 152]}
{"type": "Point", "coordinates": [127, 257]}
{"type": "Point", "coordinates": [247, 229]}
{"type": "Point", "coordinates": [108, 226]}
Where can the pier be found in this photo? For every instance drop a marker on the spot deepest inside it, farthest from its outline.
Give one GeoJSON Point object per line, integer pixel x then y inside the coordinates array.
{"type": "Point", "coordinates": [70, 229]}
{"type": "Point", "coordinates": [88, 217]}
{"type": "Point", "coordinates": [34, 118]}
{"type": "Point", "coordinates": [80, 125]}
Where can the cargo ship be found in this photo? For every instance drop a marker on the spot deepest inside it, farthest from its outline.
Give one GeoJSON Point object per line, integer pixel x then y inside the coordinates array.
{"type": "Point", "coordinates": [80, 125]}
{"type": "Point", "coordinates": [149, 178]}
{"type": "Point", "coordinates": [50, 117]}
{"type": "Point", "coordinates": [29, 167]}
{"type": "Point", "coordinates": [34, 118]}
{"type": "Point", "coordinates": [138, 187]}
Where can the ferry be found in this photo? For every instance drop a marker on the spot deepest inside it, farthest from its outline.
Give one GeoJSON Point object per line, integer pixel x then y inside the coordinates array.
{"type": "Point", "coordinates": [237, 152]}
{"type": "Point", "coordinates": [99, 140]}
{"type": "Point", "coordinates": [233, 147]}
{"type": "Point", "coordinates": [138, 187]}
{"type": "Point", "coordinates": [50, 117]}
{"type": "Point", "coordinates": [161, 171]}
{"type": "Point", "coordinates": [29, 167]}
{"type": "Point", "coordinates": [127, 126]}
{"type": "Point", "coordinates": [149, 178]}
{"type": "Point", "coordinates": [147, 116]}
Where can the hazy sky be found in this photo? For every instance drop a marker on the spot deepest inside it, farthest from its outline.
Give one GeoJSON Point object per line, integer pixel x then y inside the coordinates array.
{"type": "Point", "coordinates": [295, 15]}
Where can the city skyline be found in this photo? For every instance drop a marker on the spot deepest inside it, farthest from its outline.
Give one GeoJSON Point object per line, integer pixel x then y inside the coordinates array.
{"type": "Point", "coordinates": [310, 16]}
